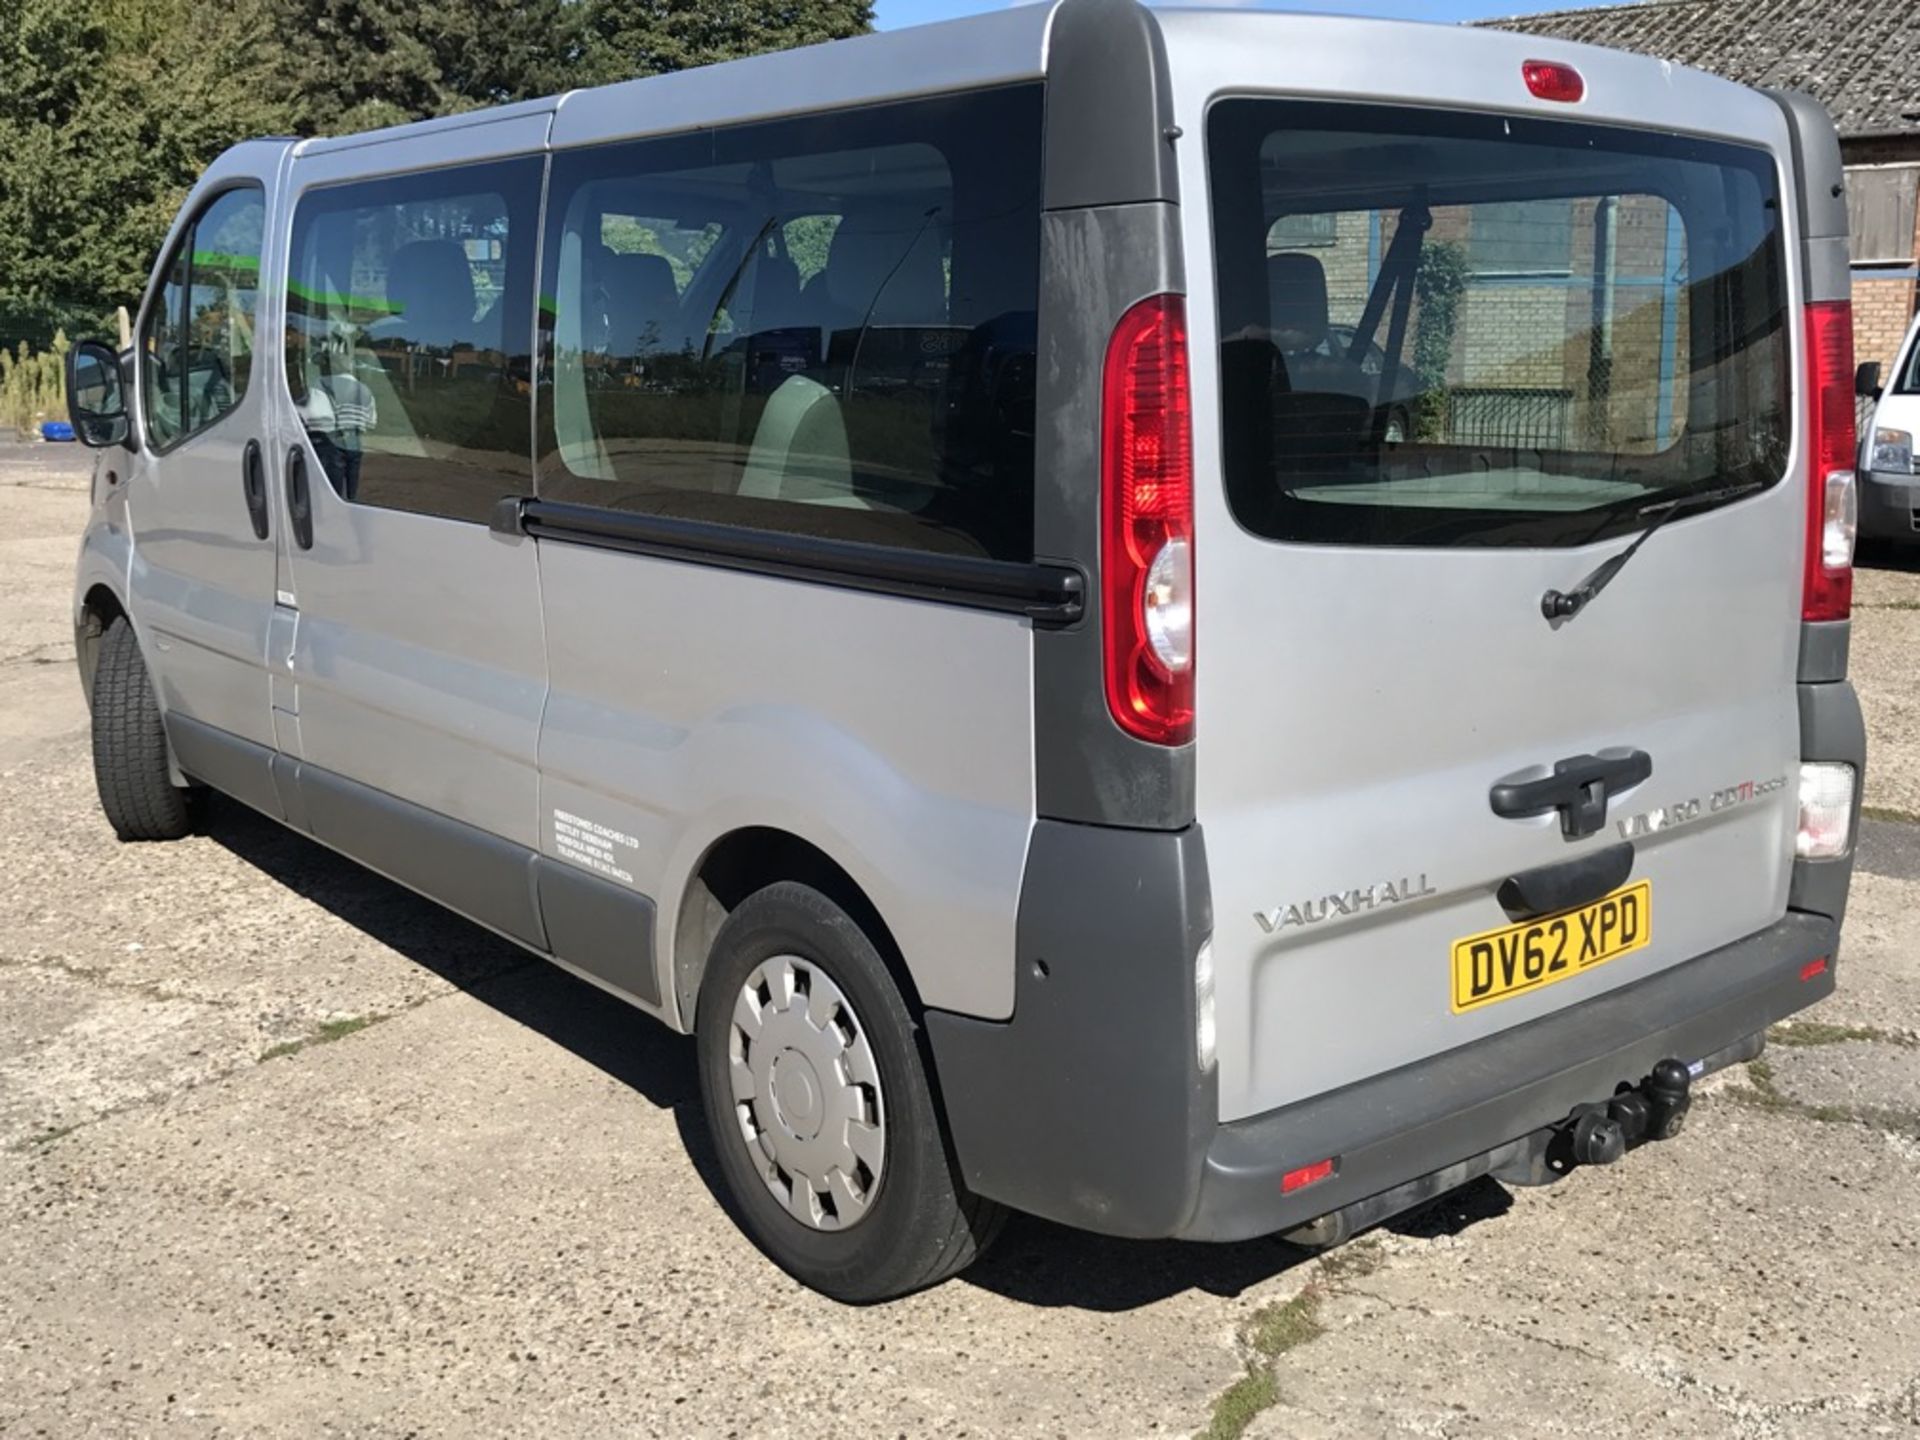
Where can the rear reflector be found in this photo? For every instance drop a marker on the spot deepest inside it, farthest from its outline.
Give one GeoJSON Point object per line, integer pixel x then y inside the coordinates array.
{"type": "Point", "coordinates": [1306, 1175]}
{"type": "Point", "coordinates": [1205, 1033]}
{"type": "Point", "coordinates": [1550, 80]}
{"type": "Point", "coordinates": [1813, 969]}
{"type": "Point", "coordinates": [1826, 811]}
{"type": "Point", "coordinates": [1832, 504]}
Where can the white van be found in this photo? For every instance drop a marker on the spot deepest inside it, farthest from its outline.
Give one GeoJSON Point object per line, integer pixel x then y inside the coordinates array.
{"type": "Point", "coordinates": [1054, 587]}
{"type": "Point", "coordinates": [1889, 482]}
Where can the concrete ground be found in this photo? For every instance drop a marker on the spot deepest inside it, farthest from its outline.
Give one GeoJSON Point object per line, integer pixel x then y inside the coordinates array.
{"type": "Point", "coordinates": [287, 1151]}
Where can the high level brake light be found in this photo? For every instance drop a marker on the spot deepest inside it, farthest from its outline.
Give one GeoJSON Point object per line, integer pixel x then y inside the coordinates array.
{"type": "Point", "coordinates": [1551, 80]}
{"type": "Point", "coordinates": [1146, 500]}
{"type": "Point", "coordinates": [1832, 502]}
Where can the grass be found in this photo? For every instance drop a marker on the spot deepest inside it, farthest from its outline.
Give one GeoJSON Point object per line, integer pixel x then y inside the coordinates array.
{"type": "Point", "coordinates": [1279, 1327]}
{"type": "Point", "coordinates": [1276, 1329]}
{"type": "Point", "coordinates": [1889, 814]}
{"type": "Point", "coordinates": [328, 1032]}
{"type": "Point", "coordinates": [325, 1033]}
{"type": "Point", "coordinates": [1241, 1404]}
{"type": "Point", "coordinates": [1763, 1092]}
{"type": "Point", "coordinates": [1804, 1034]}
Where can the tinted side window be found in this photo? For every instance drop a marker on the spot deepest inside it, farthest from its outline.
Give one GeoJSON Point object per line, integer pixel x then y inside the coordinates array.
{"type": "Point", "coordinates": [163, 350]}
{"type": "Point", "coordinates": [823, 325]}
{"type": "Point", "coordinates": [198, 340]}
{"type": "Point", "coordinates": [409, 315]}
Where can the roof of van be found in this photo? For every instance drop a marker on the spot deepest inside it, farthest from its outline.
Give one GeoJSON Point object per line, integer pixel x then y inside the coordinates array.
{"type": "Point", "coordinates": [1855, 58]}
{"type": "Point", "coordinates": [996, 47]}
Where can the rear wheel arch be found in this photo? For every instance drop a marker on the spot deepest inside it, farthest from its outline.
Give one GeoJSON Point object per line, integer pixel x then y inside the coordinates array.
{"type": "Point", "coordinates": [747, 860]}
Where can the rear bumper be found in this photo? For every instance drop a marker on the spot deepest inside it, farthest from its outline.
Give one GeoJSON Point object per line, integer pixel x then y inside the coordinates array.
{"type": "Point", "coordinates": [1089, 1106]}
{"type": "Point", "coordinates": [1888, 505]}
{"type": "Point", "coordinates": [1460, 1106]}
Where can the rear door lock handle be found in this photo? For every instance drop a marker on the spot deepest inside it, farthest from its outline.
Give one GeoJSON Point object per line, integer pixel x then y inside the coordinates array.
{"type": "Point", "coordinates": [253, 483]}
{"type": "Point", "coordinates": [299, 499]}
{"type": "Point", "coordinates": [1580, 788]}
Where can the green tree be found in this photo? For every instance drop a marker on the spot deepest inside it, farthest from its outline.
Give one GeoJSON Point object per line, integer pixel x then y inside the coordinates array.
{"type": "Point", "coordinates": [358, 64]}
{"type": "Point", "coordinates": [625, 38]}
{"type": "Point", "coordinates": [1438, 285]}
{"type": "Point", "coordinates": [113, 113]}
{"type": "Point", "coordinates": [111, 109]}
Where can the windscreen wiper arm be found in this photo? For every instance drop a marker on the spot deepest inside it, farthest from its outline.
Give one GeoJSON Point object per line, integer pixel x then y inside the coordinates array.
{"type": "Point", "coordinates": [1565, 604]}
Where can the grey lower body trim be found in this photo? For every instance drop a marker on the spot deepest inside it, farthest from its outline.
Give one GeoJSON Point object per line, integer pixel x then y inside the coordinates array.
{"type": "Point", "coordinates": [1425, 1117]}
{"type": "Point", "coordinates": [464, 868]}
{"type": "Point", "coordinates": [1089, 1106]}
{"type": "Point", "coordinates": [599, 929]}
{"type": "Point", "coordinates": [229, 764]}
{"type": "Point", "coordinates": [1831, 728]}
{"type": "Point", "coordinates": [1095, 265]}
{"type": "Point", "coordinates": [1824, 651]}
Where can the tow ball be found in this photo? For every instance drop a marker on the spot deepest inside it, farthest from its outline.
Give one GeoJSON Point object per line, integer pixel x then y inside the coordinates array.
{"type": "Point", "coordinates": [1655, 1109]}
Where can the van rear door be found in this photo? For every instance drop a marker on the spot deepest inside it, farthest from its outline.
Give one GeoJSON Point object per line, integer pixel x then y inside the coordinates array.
{"type": "Point", "coordinates": [1464, 359]}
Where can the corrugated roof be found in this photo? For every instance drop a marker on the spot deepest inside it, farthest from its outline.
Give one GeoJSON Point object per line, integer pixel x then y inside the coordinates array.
{"type": "Point", "coordinates": [1857, 59]}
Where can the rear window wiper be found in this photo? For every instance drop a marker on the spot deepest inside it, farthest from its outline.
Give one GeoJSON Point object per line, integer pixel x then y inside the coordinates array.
{"type": "Point", "coordinates": [1565, 604]}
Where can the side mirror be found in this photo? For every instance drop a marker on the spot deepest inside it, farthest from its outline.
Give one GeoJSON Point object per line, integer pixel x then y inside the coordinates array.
{"type": "Point", "coordinates": [96, 397]}
{"type": "Point", "coordinates": [1866, 380]}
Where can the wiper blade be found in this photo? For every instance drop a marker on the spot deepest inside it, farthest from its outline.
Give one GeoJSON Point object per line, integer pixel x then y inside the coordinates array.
{"type": "Point", "coordinates": [1565, 604]}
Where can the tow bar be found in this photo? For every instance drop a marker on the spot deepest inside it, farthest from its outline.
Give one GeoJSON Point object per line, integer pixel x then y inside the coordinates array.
{"type": "Point", "coordinates": [1592, 1134]}
{"type": "Point", "coordinates": [1655, 1109]}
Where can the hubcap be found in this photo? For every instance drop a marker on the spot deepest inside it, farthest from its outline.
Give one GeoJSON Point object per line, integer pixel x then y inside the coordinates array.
{"type": "Point", "coordinates": [806, 1092]}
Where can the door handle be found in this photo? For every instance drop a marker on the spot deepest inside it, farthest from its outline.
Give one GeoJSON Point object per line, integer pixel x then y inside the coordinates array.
{"type": "Point", "coordinates": [299, 498]}
{"type": "Point", "coordinates": [1578, 788]}
{"type": "Point", "coordinates": [253, 480]}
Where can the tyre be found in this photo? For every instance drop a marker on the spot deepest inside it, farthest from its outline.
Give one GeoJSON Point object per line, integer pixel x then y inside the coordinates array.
{"type": "Point", "coordinates": [130, 746]}
{"type": "Point", "coordinates": [830, 1145]}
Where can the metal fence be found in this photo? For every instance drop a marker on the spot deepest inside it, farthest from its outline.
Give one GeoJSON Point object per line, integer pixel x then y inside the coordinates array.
{"type": "Point", "coordinates": [1521, 419]}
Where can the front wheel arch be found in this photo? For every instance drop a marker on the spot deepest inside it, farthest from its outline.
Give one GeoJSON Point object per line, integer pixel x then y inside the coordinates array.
{"type": "Point", "coordinates": [98, 610]}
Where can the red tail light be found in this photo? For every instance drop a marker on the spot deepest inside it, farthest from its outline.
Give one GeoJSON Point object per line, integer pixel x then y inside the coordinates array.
{"type": "Point", "coordinates": [1146, 501]}
{"type": "Point", "coordinates": [1832, 504]}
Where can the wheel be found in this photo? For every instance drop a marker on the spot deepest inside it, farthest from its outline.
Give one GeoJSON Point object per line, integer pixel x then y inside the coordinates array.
{"type": "Point", "coordinates": [130, 746]}
{"type": "Point", "coordinates": [832, 1150]}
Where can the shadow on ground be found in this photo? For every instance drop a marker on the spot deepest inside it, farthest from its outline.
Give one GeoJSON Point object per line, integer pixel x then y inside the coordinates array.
{"type": "Point", "coordinates": [1035, 1262]}
{"type": "Point", "coordinates": [1889, 555]}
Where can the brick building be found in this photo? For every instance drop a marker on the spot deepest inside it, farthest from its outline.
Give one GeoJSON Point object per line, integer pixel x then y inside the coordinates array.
{"type": "Point", "coordinates": [1858, 60]}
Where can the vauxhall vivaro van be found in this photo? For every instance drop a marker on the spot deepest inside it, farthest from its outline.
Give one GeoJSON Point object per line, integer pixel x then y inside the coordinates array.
{"type": "Point", "coordinates": [1204, 624]}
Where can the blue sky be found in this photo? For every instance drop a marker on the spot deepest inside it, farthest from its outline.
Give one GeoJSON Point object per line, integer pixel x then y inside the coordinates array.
{"type": "Point", "coordinates": [893, 14]}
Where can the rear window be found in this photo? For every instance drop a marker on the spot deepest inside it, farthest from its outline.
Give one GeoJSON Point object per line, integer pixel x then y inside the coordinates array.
{"type": "Point", "coordinates": [1453, 329]}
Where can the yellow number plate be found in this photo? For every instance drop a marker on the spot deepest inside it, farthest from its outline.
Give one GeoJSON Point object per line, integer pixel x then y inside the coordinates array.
{"type": "Point", "coordinates": [1515, 959]}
